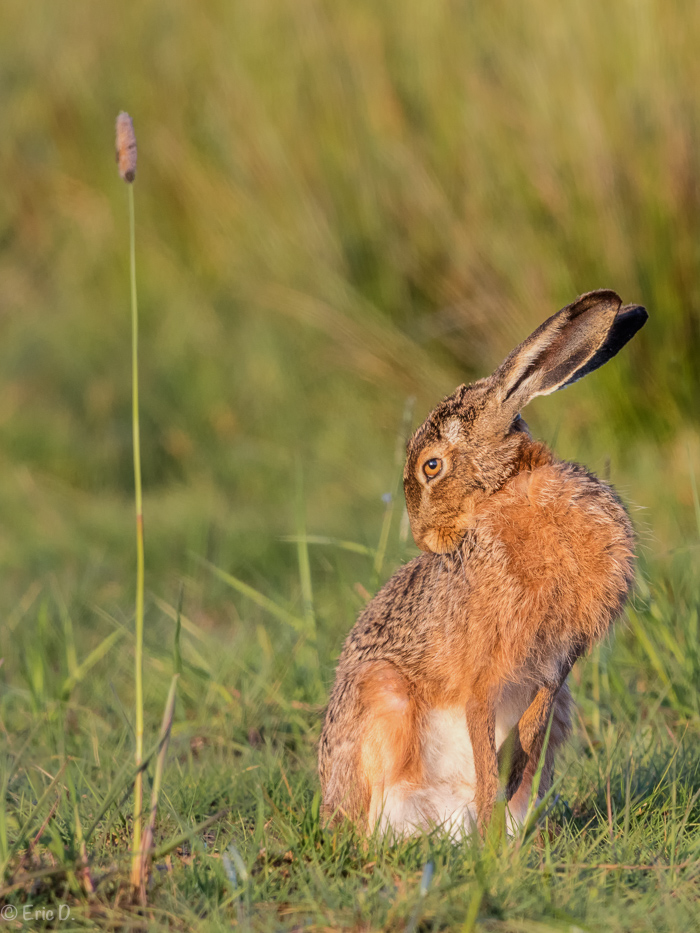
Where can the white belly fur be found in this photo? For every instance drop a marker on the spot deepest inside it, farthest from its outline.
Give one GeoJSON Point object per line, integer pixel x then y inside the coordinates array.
{"type": "Point", "coordinates": [446, 798]}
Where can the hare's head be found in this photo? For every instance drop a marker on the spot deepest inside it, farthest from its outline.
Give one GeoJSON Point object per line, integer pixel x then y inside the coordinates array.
{"type": "Point", "coordinates": [470, 444]}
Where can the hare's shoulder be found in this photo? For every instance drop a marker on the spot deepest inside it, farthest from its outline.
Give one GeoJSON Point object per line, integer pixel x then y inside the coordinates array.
{"type": "Point", "coordinates": [564, 540]}
{"type": "Point", "coordinates": [560, 499]}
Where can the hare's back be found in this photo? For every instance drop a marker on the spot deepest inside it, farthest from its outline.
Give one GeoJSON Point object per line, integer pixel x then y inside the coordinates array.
{"type": "Point", "coordinates": [395, 624]}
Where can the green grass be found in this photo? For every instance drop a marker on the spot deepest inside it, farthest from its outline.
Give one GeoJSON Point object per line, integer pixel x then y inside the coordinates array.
{"type": "Point", "coordinates": [619, 849]}
{"type": "Point", "coordinates": [343, 206]}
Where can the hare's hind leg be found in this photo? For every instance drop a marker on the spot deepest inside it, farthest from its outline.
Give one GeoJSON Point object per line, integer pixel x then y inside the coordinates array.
{"type": "Point", "coordinates": [390, 760]}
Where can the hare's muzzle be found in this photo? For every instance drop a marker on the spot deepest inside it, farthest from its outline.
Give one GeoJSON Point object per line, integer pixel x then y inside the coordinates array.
{"type": "Point", "coordinates": [440, 540]}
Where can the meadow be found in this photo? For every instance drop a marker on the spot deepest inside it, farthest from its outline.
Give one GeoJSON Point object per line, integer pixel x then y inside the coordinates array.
{"type": "Point", "coordinates": [343, 210]}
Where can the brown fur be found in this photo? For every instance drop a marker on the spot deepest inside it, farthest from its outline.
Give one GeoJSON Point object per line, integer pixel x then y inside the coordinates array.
{"type": "Point", "coordinates": [529, 561]}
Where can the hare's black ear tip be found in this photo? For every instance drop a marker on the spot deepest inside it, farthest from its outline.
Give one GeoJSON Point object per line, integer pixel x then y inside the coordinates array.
{"type": "Point", "coordinates": [633, 316]}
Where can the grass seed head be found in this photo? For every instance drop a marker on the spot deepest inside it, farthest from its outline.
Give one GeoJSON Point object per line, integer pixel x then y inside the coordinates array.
{"type": "Point", "coordinates": [126, 147]}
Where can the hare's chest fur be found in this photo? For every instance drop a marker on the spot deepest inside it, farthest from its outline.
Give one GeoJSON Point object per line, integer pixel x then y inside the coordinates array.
{"type": "Point", "coordinates": [447, 749]}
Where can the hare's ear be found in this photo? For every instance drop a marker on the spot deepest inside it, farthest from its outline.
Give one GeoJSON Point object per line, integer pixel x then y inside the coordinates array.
{"type": "Point", "coordinates": [570, 344]}
{"type": "Point", "coordinates": [629, 319]}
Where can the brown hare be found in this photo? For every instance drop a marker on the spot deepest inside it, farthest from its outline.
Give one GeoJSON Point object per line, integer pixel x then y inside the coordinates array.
{"type": "Point", "coordinates": [529, 561]}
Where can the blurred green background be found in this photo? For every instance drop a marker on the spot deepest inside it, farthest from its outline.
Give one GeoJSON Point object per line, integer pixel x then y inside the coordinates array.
{"type": "Point", "coordinates": [340, 206]}
{"type": "Point", "coordinates": [344, 209]}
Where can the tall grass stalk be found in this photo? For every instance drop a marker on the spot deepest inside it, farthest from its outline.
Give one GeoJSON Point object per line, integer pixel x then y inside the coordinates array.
{"type": "Point", "coordinates": [126, 159]}
{"type": "Point", "coordinates": [137, 863]}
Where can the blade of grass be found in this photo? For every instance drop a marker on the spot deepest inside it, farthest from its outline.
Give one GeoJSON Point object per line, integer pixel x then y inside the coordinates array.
{"type": "Point", "coordinates": [83, 873]}
{"type": "Point", "coordinates": [533, 809]}
{"type": "Point", "coordinates": [21, 836]}
{"type": "Point", "coordinates": [651, 653]}
{"type": "Point", "coordinates": [473, 909]}
{"type": "Point", "coordinates": [118, 785]}
{"type": "Point", "coordinates": [95, 655]}
{"type": "Point", "coordinates": [163, 742]}
{"type": "Point", "coordinates": [351, 546]}
{"type": "Point", "coordinates": [256, 597]}
{"type": "Point", "coordinates": [391, 496]}
{"type": "Point", "coordinates": [177, 656]}
{"type": "Point", "coordinates": [186, 623]}
{"type": "Point", "coordinates": [67, 622]}
{"type": "Point", "coordinates": [23, 607]}
{"type": "Point", "coordinates": [307, 594]}
{"type": "Point", "coordinates": [694, 487]}
{"type": "Point", "coordinates": [190, 834]}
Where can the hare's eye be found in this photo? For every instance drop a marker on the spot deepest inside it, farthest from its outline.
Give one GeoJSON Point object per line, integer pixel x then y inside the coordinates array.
{"type": "Point", "coordinates": [432, 467]}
